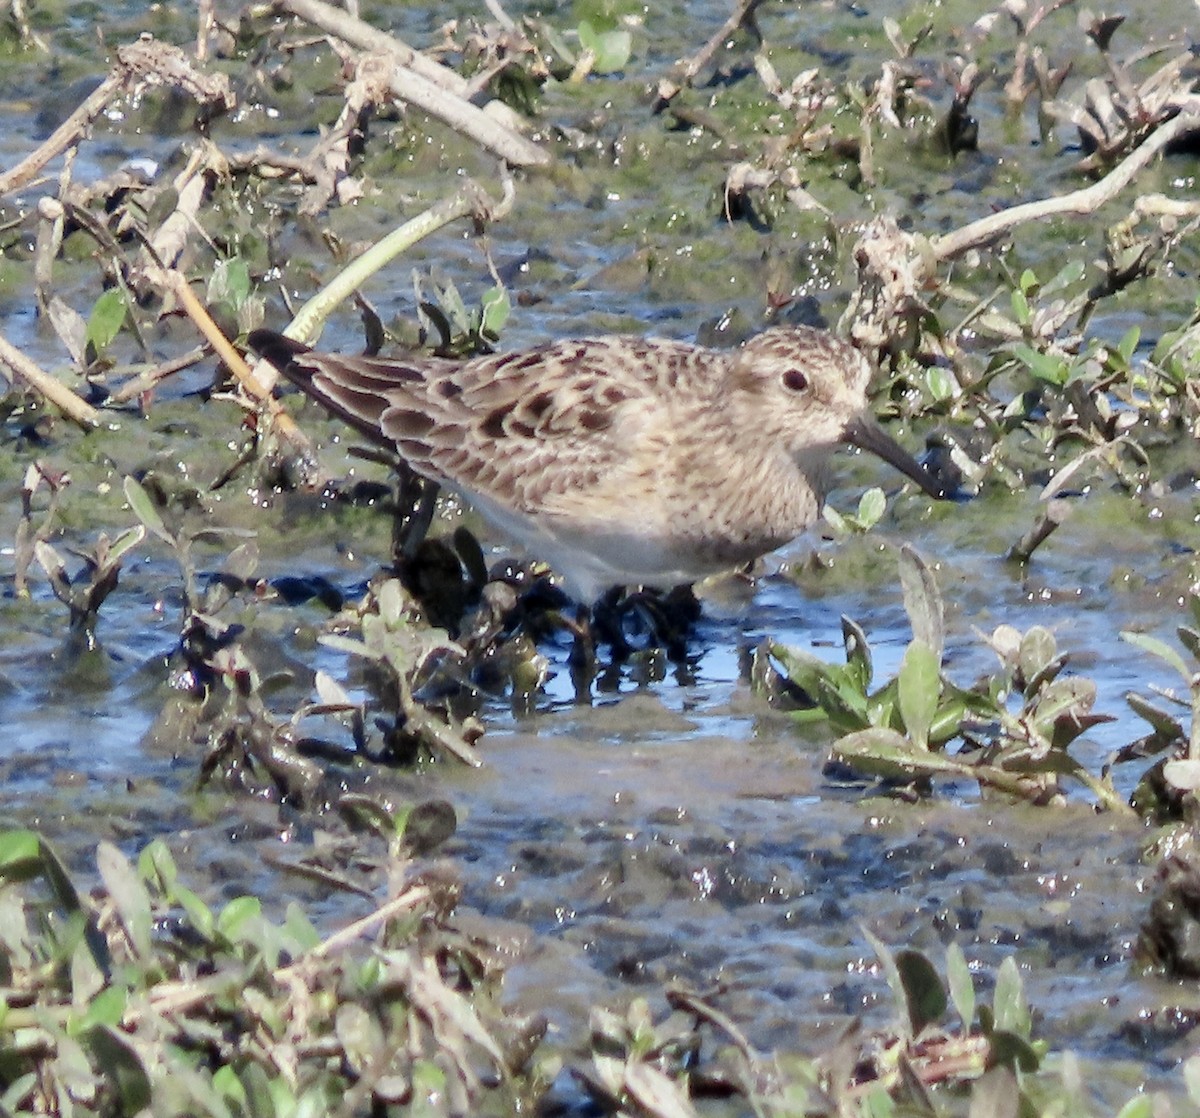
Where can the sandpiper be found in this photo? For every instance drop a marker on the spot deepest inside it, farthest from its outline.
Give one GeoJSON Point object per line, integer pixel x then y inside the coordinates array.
{"type": "Point", "coordinates": [620, 461]}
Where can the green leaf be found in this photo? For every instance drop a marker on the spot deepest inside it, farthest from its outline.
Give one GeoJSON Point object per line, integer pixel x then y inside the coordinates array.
{"type": "Point", "coordinates": [1160, 649]}
{"type": "Point", "coordinates": [826, 684]}
{"type": "Point", "coordinates": [227, 1084]}
{"type": "Point", "coordinates": [871, 507]}
{"type": "Point", "coordinates": [1183, 774]}
{"type": "Point", "coordinates": [1008, 1002]}
{"type": "Point", "coordinates": [939, 384]}
{"type": "Point", "coordinates": [261, 1092]}
{"type": "Point", "coordinates": [924, 994]}
{"type": "Point", "coordinates": [858, 654]}
{"type": "Point", "coordinates": [106, 1008]}
{"type": "Point", "coordinates": [127, 540]}
{"type": "Point", "coordinates": [106, 319]}
{"type": "Point", "coordinates": [454, 308]}
{"type": "Point", "coordinates": [121, 1063]}
{"type": "Point", "coordinates": [230, 283]}
{"type": "Point", "coordinates": [496, 309]}
{"type": "Point", "coordinates": [20, 855]}
{"type": "Point", "coordinates": [962, 986]}
{"type": "Point", "coordinates": [157, 865]}
{"type": "Point", "coordinates": [1068, 275]}
{"type": "Point", "coordinates": [611, 49]}
{"type": "Point", "coordinates": [199, 915]}
{"type": "Point", "coordinates": [143, 508]}
{"type": "Point", "coordinates": [1190, 639]}
{"type": "Point", "coordinates": [360, 1036]}
{"type": "Point", "coordinates": [1044, 366]}
{"type": "Point", "coordinates": [836, 520]}
{"type": "Point", "coordinates": [393, 600]}
{"type": "Point", "coordinates": [876, 1104]}
{"type": "Point", "coordinates": [884, 753]}
{"type": "Point", "coordinates": [1163, 723]}
{"type": "Point", "coordinates": [428, 1089]}
{"type": "Point", "coordinates": [1020, 308]}
{"type": "Point", "coordinates": [922, 600]}
{"type": "Point", "coordinates": [297, 925]}
{"type": "Point", "coordinates": [1037, 651]}
{"type": "Point", "coordinates": [129, 896]}
{"type": "Point", "coordinates": [887, 963]}
{"type": "Point", "coordinates": [1006, 1049]}
{"type": "Point", "coordinates": [234, 916]}
{"type": "Point", "coordinates": [1129, 343]}
{"type": "Point", "coordinates": [919, 691]}
{"type": "Point", "coordinates": [66, 896]}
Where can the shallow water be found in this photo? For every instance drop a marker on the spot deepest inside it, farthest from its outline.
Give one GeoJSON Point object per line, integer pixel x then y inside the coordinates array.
{"type": "Point", "coordinates": [674, 827]}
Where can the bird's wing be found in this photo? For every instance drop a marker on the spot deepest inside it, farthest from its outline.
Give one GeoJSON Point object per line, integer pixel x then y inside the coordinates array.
{"type": "Point", "coordinates": [534, 430]}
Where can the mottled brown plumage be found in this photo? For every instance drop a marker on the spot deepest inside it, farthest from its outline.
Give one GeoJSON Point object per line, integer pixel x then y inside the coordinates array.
{"type": "Point", "coordinates": [619, 460]}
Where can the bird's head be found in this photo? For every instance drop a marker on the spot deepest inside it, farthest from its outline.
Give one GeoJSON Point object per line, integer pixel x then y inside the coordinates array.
{"type": "Point", "coordinates": [815, 389]}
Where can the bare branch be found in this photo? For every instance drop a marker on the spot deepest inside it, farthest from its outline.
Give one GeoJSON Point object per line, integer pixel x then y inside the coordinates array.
{"type": "Point", "coordinates": [80, 411]}
{"type": "Point", "coordinates": [1084, 201]}
{"type": "Point", "coordinates": [430, 86]}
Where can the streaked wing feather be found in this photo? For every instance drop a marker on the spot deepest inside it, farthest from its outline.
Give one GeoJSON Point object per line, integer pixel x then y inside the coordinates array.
{"type": "Point", "coordinates": [519, 428]}
{"type": "Point", "coordinates": [534, 430]}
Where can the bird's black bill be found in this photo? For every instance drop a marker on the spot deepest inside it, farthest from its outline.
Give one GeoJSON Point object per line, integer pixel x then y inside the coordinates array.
{"type": "Point", "coordinates": [864, 432]}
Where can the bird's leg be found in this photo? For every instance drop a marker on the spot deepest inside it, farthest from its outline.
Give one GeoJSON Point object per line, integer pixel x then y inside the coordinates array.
{"type": "Point", "coordinates": [668, 619]}
{"type": "Point", "coordinates": [607, 621]}
{"type": "Point", "coordinates": [416, 502]}
{"type": "Point", "coordinates": [582, 657]}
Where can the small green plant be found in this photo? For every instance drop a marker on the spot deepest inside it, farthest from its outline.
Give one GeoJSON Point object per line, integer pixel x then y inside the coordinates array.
{"type": "Point", "coordinates": [109, 314]}
{"type": "Point", "coordinates": [921, 1053]}
{"type": "Point", "coordinates": [1172, 786]}
{"type": "Point", "coordinates": [871, 507]}
{"type": "Point", "coordinates": [464, 332]}
{"type": "Point", "coordinates": [1015, 726]}
{"type": "Point", "coordinates": [137, 997]}
{"type": "Point", "coordinates": [232, 299]}
{"type": "Point", "coordinates": [85, 593]}
{"type": "Point", "coordinates": [605, 41]}
{"type": "Point", "coordinates": [916, 1063]}
{"type": "Point", "coordinates": [396, 640]}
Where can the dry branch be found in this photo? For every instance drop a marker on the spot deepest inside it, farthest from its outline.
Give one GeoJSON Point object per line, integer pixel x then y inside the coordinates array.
{"type": "Point", "coordinates": [428, 85]}
{"type": "Point", "coordinates": [1085, 201]}
{"type": "Point", "coordinates": [146, 62]}
{"type": "Point", "coordinates": [687, 69]}
{"type": "Point", "coordinates": [80, 411]}
{"type": "Point", "coordinates": [470, 200]}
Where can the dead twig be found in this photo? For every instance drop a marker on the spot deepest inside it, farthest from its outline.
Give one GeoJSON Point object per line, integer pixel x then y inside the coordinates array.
{"type": "Point", "coordinates": [469, 200]}
{"type": "Point", "coordinates": [685, 70]}
{"type": "Point", "coordinates": [329, 161]}
{"type": "Point", "coordinates": [428, 85]}
{"type": "Point", "coordinates": [1085, 201]}
{"type": "Point", "coordinates": [146, 62]}
{"type": "Point", "coordinates": [77, 410]}
{"type": "Point", "coordinates": [141, 383]}
{"type": "Point", "coordinates": [176, 283]}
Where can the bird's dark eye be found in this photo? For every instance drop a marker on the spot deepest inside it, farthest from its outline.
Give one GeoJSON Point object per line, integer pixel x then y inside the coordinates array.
{"type": "Point", "coordinates": [795, 381]}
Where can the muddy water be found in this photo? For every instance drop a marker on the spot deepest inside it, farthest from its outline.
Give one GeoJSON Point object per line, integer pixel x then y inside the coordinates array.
{"type": "Point", "coordinates": [674, 827]}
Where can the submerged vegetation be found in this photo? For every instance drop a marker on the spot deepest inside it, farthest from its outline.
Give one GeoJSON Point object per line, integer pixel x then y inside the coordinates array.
{"type": "Point", "coordinates": [1014, 190]}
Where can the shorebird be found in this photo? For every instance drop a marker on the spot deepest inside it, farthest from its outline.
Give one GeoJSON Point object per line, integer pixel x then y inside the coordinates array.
{"type": "Point", "coordinates": [620, 461]}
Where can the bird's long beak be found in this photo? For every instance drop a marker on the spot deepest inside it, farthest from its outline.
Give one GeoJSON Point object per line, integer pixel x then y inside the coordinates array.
{"type": "Point", "coordinates": [864, 432]}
